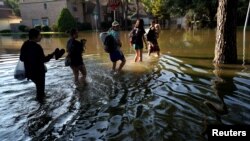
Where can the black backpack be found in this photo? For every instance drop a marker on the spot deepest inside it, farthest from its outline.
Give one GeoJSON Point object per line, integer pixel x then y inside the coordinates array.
{"type": "Point", "coordinates": [150, 35]}
{"type": "Point", "coordinates": [132, 36]}
{"type": "Point", "coordinates": [109, 43]}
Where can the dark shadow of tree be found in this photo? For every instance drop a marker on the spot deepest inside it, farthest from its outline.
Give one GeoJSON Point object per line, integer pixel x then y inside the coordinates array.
{"type": "Point", "coordinates": [222, 85]}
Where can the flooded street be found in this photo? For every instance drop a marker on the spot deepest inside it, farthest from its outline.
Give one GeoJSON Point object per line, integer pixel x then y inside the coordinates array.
{"type": "Point", "coordinates": [167, 98]}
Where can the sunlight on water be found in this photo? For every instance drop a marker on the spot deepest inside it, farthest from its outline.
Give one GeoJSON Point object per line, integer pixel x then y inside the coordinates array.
{"type": "Point", "coordinates": [165, 98]}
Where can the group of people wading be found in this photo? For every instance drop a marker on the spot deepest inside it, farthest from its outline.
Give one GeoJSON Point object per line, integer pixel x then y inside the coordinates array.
{"type": "Point", "coordinates": [138, 35]}
{"type": "Point", "coordinates": [33, 56]}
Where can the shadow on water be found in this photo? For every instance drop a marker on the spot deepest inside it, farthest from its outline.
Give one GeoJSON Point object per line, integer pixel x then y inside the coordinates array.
{"type": "Point", "coordinates": [223, 86]}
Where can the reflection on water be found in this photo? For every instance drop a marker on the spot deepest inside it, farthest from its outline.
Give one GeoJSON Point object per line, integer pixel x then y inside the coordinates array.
{"type": "Point", "coordinates": [172, 97]}
{"type": "Point", "coordinates": [222, 85]}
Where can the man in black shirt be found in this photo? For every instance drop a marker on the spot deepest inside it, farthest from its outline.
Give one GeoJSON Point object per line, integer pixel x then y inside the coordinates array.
{"type": "Point", "coordinates": [33, 57]}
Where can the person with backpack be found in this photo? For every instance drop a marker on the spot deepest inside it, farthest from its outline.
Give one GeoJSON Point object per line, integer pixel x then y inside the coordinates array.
{"type": "Point", "coordinates": [152, 36]}
{"type": "Point", "coordinates": [114, 46]}
{"type": "Point", "coordinates": [75, 49]}
{"type": "Point", "coordinates": [137, 38]}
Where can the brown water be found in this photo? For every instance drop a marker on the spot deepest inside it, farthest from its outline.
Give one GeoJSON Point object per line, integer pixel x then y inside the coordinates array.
{"type": "Point", "coordinates": [164, 98]}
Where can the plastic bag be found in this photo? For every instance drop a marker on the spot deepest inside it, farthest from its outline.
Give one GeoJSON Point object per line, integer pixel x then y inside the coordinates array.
{"type": "Point", "coordinates": [45, 68]}
{"type": "Point", "coordinates": [19, 72]}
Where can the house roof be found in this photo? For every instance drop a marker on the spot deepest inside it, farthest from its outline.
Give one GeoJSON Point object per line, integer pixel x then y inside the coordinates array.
{"type": "Point", "coordinates": [7, 14]}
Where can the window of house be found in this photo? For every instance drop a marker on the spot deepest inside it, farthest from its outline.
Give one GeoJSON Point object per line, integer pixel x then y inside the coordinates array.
{"type": "Point", "coordinates": [45, 21]}
{"type": "Point", "coordinates": [45, 5]}
{"type": "Point", "coordinates": [36, 22]}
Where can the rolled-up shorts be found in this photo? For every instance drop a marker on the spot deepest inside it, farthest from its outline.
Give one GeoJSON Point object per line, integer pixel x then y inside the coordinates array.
{"type": "Point", "coordinates": [116, 55]}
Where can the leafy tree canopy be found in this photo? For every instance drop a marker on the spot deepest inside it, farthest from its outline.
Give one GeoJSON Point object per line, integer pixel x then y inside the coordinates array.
{"type": "Point", "coordinates": [66, 21]}
{"type": "Point", "coordinates": [14, 4]}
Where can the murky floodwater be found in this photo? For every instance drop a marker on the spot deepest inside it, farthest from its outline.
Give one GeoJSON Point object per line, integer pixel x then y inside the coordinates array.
{"type": "Point", "coordinates": [167, 98]}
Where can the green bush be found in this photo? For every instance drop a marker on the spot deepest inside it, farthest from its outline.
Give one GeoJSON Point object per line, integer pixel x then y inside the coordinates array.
{"type": "Point", "coordinates": [54, 28]}
{"type": "Point", "coordinates": [5, 31]}
{"type": "Point", "coordinates": [46, 28]}
{"type": "Point", "coordinates": [23, 28]}
{"type": "Point", "coordinates": [38, 27]}
{"type": "Point", "coordinates": [66, 21]}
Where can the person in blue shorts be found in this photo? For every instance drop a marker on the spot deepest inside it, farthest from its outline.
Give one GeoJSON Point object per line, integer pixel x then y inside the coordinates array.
{"type": "Point", "coordinates": [116, 54]}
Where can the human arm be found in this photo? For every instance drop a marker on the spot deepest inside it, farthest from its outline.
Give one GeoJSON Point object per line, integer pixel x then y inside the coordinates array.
{"type": "Point", "coordinates": [48, 57]}
{"type": "Point", "coordinates": [44, 57]}
{"type": "Point", "coordinates": [22, 53]}
{"type": "Point", "coordinates": [145, 41]}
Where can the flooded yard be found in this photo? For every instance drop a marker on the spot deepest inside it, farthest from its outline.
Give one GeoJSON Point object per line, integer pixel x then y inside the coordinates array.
{"type": "Point", "coordinates": [167, 98]}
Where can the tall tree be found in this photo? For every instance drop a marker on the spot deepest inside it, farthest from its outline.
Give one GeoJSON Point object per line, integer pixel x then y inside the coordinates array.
{"type": "Point", "coordinates": [14, 4]}
{"type": "Point", "coordinates": [225, 48]}
{"type": "Point", "coordinates": [137, 9]}
{"type": "Point", "coordinates": [158, 8]}
{"type": "Point", "coordinates": [66, 21]}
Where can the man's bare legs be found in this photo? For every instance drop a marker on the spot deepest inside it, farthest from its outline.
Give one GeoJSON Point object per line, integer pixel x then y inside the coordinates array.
{"type": "Point", "coordinates": [121, 65]}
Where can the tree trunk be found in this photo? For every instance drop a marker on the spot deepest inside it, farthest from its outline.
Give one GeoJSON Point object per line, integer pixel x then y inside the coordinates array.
{"type": "Point", "coordinates": [137, 9]}
{"type": "Point", "coordinates": [225, 48]}
{"type": "Point", "coordinates": [126, 14]}
{"type": "Point", "coordinates": [98, 21]}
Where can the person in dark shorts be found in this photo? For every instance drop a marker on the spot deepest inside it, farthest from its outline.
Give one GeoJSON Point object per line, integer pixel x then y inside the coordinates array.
{"type": "Point", "coordinates": [138, 44]}
{"type": "Point", "coordinates": [152, 40]}
{"type": "Point", "coordinates": [116, 54]}
{"type": "Point", "coordinates": [33, 57]}
{"type": "Point", "coordinates": [75, 50]}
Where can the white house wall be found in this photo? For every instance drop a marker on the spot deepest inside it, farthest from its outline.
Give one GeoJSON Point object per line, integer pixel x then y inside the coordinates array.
{"type": "Point", "coordinates": [5, 23]}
